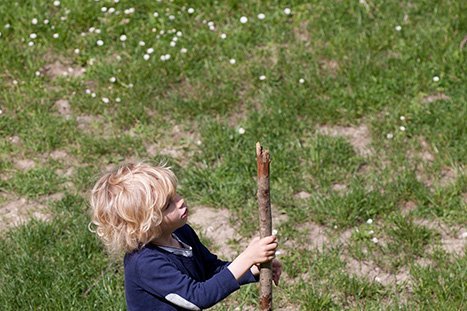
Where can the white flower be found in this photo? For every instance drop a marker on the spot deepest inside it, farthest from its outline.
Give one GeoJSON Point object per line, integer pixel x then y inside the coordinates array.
{"type": "Point", "coordinates": [371, 232]}
{"type": "Point", "coordinates": [241, 130]}
{"type": "Point", "coordinates": [38, 73]}
{"type": "Point", "coordinates": [287, 11]}
{"type": "Point", "coordinates": [146, 56]}
{"type": "Point", "coordinates": [116, 1]}
{"type": "Point", "coordinates": [1, 111]}
{"type": "Point", "coordinates": [88, 91]}
{"type": "Point", "coordinates": [130, 85]}
{"type": "Point", "coordinates": [398, 28]}
{"type": "Point", "coordinates": [243, 19]}
{"type": "Point", "coordinates": [33, 21]}
{"type": "Point", "coordinates": [30, 43]}
{"type": "Point", "coordinates": [46, 21]}
{"type": "Point", "coordinates": [378, 279]}
{"type": "Point", "coordinates": [33, 36]}
{"type": "Point", "coordinates": [175, 39]}
{"type": "Point", "coordinates": [100, 42]}
{"type": "Point", "coordinates": [167, 56]}
{"type": "Point", "coordinates": [212, 28]}
{"type": "Point", "coordinates": [374, 240]}
{"type": "Point", "coordinates": [103, 9]}
{"type": "Point", "coordinates": [150, 51]}
{"type": "Point", "coordinates": [98, 30]}
{"type": "Point", "coordinates": [262, 78]}
{"type": "Point", "coordinates": [57, 3]}
{"type": "Point", "coordinates": [389, 135]}
{"type": "Point", "coordinates": [191, 10]}
{"type": "Point", "coordinates": [15, 82]}
{"type": "Point", "coordinates": [402, 118]}
{"type": "Point", "coordinates": [171, 17]}
{"type": "Point", "coordinates": [123, 38]}
{"type": "Point", "coordinates": [105, 100]}
{"type": "Point", "coordinates": [7, 26]}
{"type": "Point", "coordinates": [56, 35]}
{"type": "Point", "coordinates": [111, 10]}
{"type": "Point", "coordinates": [223, 36]}
{"type": "Point", "coordinates": [301, 81]}
{"type": "Point", "coordinates": [232, 61]}
{"type": "Point", "coordinates": [173, 43]}
{"type": "Point", "coordinates": [261, 16]}
{"type": "Point", "coordinates": [402, 128]}
{"type": "Point", "coordinates": [183, 50]}
{"type": "Point", "coordinates": [112, 79]}
{"type": "Point", "coordinates": [118, 99]}
{"type": "Point", "coordinates": [77, 51]}
{"type": "Point", "coordinates": [179, 34]}
{"type": "Point", "coordinates": [463, 235]}
{"type": "Point", "coordinates": [141, 43]}
{"type": "Point", "coordinates": [91, 29]}
{"type": "Point", "coordinates": [274, 232]}
{"type": "Point", "coordinates": [155, 14]}
{"type": "Point", "coordinates": [369, 221]}
{"type": "Point", "coordinates": [435, 79]}
{"type": "Point", "coordinates": [93, 95]}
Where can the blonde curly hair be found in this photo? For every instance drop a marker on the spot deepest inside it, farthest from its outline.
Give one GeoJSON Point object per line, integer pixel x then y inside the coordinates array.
{"type": "Point", "coordinates": [127, 204]}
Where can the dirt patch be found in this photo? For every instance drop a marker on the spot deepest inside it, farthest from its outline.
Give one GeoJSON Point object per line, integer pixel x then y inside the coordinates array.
{"type": "Point", "coordinates": [453, 239]}
{"type": "Point", "coordinates": [302, 195]}
{"type": "Point", "coordinates": [301, 33]}
{"type": "Point", "coordinates": [215, 225]}
{"type": "Point", "coordinates": [17, 211]}
{"type": "Point", "coordinates": [329, 66]}
{"type": "Point", "coordinates": [408, 207]}
{"type": "Point", "coordinates": [340, 188]}
{"type": "Point", "coordinates": [369, 270]}
{"type": "Point", "coordinates": [435, 97]}
{"type": "Point", "coordinates": [63, 108]}
{"type": "Point", "coordinates": [316, 237]}
{"type": "Point", "coordinates": [359, 137]}
{"type": "Point", "coordinates": [24, 164]}
{"type": "Point", "coordinates": [446, 177]}
{"type": "Point", "coordinates": [62, 69]}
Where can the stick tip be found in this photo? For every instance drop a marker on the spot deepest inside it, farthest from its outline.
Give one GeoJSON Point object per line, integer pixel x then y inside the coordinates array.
{"type": "Point", "coordinates": [258, 148]}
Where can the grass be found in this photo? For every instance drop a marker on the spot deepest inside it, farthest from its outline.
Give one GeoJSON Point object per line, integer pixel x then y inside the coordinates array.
{"type": "Point", "coordinates": [394, 69]}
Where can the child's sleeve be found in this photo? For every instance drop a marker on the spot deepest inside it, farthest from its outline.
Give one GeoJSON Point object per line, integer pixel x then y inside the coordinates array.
{"type": "Point", "coordinates": [162, 278]}
{"type": "Point", "coordinates": [214, 265]}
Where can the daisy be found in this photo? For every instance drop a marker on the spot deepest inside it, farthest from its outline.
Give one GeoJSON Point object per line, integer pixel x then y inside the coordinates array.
{"type": "Point", "coordinates": [191, 11]}
{"type": "Point", "coordinates": [261, 16]}
{"type": "Point", "coordinates": [262, 78]}
{"type": "Point", "coordinates": [287, 11]}
{"type": "Point", "coordinates": [100, 42]}
{"type": "Point", "coordinates": [123, 38]}
{"type": "Point", "coordinates": [243, 19]}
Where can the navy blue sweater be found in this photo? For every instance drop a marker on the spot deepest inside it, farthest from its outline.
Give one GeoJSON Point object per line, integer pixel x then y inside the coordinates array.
{"type": "Point", "coordinates": [163, 279]}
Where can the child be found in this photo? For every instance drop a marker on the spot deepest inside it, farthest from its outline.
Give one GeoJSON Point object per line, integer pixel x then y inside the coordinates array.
{"type": "Point", "coordinates": [137, 211]}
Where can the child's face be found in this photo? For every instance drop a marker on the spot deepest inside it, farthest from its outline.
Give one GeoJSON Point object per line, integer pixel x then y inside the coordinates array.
{"type": "Point", "coordinates": [176, 214]}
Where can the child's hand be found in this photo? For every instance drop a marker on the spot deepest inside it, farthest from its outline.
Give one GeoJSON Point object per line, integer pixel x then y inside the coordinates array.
{"type": "Point", "coordinates": [261, 250]}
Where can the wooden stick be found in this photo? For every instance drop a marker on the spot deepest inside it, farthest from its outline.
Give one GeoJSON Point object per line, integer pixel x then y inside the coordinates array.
{"type": "Point", "coordinates": [265, 224]}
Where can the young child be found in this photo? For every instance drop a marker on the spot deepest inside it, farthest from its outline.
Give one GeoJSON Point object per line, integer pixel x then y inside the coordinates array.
{"type": "Point", "coordinates": [136, 211]}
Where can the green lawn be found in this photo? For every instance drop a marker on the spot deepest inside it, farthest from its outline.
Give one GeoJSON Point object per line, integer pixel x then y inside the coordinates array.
{"type": "Point", "coordinates": [362, 105]}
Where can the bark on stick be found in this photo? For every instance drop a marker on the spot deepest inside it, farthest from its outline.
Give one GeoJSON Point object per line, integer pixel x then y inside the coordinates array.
{"type": "Point", "coordinates": [265, 223]}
